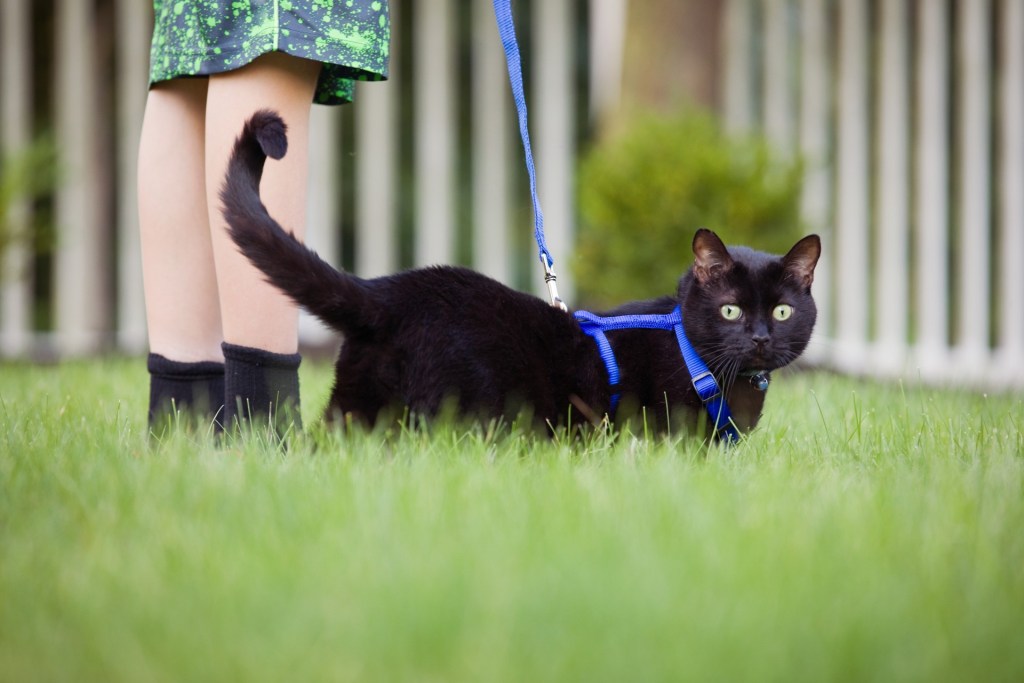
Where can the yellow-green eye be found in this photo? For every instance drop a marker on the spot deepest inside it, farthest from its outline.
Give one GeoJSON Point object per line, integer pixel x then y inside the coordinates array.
{"type": "Point", "coordinates": [731, 312]}
{"type": "Point", "coordinates": [782, 312]}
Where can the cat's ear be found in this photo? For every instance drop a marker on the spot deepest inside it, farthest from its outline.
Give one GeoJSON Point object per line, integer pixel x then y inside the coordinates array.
{"type": "Point", "coordinates": [712, 259]}
{"type": "Point", "coordinates": [800, 261]}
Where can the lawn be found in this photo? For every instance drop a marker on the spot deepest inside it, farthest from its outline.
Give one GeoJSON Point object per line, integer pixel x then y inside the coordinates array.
{"type": "Point", "coordinates": [865, 532]}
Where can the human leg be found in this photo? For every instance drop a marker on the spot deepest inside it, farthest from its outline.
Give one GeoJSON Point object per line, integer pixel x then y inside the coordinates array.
{"type": "Point", "coordinates": [260, 324]}
{"type": "Point", "coordinates": [179, 279]}
{"type": "Point", "coordinates": [182, 307]}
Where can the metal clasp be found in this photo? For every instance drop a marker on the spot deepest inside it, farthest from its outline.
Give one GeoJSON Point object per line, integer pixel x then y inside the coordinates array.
{"type": "Point", "coordinates": [550, 279]}
{"type": "Point", "coordinates": [714, 383]}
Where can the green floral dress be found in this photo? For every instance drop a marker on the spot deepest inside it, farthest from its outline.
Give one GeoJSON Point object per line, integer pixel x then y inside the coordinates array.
{"type": "Point", "coordinates": [202, 37]}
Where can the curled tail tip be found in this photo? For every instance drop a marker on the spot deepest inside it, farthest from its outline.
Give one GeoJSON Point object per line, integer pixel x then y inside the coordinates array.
{"type": "Point", "coordinates": [270, 131]}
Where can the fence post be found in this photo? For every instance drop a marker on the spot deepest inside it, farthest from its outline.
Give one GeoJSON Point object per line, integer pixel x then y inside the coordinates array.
{"type": "Point", "coordinates": [555, 148]}
{"type": "Point", "coordinates": [82, 305]}
{"type": "Point", "coordinates": [974, 224]}
{"type": "Point", "coordinates": [892, 187]}
{"type": "Point", "coordinates": [377, 188]}
{"type": "Point", "coordinates": [932, 170]}
{"type": "Point", "coordinates": [492, 121]}
{"type": "Point", "coordinates": [435, 92]}
{"type": "Point", "coordinates": [778, 115]}
{"type": "Point", "coordinates": [815, 201]}
{"type": "Point", "coordinates": [1010, 340]}
{"type": "Point", "coordinates": [321, 206]}
{"type": "Point", "coordinates": [736, 48]}
{"type": "Point", "coordinates": [133, 33]}
{"type": "Point", "coordinates": [852, 188]}
{"type": "Point", "coordinates": [15, 137]}
{"type": "Point", "coordinates": [607, 37]}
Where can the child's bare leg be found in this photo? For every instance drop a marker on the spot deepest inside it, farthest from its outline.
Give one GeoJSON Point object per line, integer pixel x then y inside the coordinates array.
{"type": "Point", "coordinates": [182, 309]}
{"type": "Point", "coordinates": [254, 313]}
{"type": "Point", "coordinates": [260, 324]}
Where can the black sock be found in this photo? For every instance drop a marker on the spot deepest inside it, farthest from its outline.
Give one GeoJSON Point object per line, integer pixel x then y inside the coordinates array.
{"type": "Point", "coordinates": [261, 387]}
{"type": "Point", "coordinates": [193, 391]}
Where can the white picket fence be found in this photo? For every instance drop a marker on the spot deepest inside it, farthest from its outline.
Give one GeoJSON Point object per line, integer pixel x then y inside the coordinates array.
{"type": "Point", "coordinates": [909, 114]}
{"type": "Point", "coordinates": [96, 283]}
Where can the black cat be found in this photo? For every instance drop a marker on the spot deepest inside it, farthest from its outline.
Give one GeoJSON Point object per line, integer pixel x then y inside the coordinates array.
{"type": "Point", "coordinates": [428, 338]}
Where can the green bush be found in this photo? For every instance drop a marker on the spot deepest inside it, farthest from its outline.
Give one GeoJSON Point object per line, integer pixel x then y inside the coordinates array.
{"type": "Point", "coordinates": [643, 194]}
{"type": "Point", "coordinates": [30, 174]}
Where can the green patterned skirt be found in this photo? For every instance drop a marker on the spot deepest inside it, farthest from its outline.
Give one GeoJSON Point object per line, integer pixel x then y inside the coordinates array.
{"type": "Point", "coordinates": [202, 37]}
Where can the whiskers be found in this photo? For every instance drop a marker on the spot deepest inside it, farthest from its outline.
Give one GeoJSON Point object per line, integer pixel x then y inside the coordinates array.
{"type": "Point", "coordinates": [725, 364]}
{"type": "Point", "coordinates": [726, 361]}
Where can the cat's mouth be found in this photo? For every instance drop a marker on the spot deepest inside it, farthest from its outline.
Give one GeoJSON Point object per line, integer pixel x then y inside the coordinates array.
{"type": "Point", "coordinates": [762, 362]}
{"type": "Point", "coordinates": [758, 360]}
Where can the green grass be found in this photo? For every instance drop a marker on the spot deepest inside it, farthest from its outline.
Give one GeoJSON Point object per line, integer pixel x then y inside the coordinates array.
{"type": "Point", "coordinates": [864, 532]}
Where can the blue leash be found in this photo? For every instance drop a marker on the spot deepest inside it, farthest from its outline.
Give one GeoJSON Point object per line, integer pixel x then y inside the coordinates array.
{"type": "Point", "coordinates": [703, 381]}
{"type": "Point", "coordinates": [595, 326]}
{"type": "Point", "coordinates": [507, 31]}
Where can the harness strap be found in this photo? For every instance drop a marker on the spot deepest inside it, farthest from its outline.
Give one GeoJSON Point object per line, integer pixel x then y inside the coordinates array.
{"type": "Point", "coordinates": [704, 382]}
{"type": "Point", "coordinates": [604, 349]}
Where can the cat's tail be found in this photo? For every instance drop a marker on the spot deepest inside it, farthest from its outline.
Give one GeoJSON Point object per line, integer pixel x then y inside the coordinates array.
{"type": "Point", "coordinates": [342, 301]}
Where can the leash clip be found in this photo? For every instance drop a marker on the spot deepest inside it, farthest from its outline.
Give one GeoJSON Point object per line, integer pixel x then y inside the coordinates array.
{"type": "Point", "coordinates": [551, 280]}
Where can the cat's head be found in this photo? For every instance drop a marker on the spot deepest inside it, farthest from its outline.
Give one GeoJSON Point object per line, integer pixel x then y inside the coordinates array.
{"type": "Point", "coordinates": [745, 310]}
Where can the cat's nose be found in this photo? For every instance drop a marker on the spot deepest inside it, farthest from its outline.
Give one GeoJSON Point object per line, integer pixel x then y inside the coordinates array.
{"type": "Point", "coordinates": [760, 340]}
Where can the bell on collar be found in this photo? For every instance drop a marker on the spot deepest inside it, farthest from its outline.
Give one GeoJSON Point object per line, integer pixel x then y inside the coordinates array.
{"type": "Point", "coordinates": [760, 380]}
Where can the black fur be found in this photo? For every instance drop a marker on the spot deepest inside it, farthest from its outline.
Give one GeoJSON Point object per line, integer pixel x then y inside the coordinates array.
{"type": "Point", "coordinates": [423, 338]}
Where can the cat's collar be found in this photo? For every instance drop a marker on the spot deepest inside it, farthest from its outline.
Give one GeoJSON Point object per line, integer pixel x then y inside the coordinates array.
{"type": "Point", "coordinates": [704, 382]}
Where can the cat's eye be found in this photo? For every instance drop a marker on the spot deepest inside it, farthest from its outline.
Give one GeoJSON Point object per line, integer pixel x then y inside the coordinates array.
{"type": "Point", "coordinates": [731, 312]}
{"type": "Point", "coordinates": [782, 312]}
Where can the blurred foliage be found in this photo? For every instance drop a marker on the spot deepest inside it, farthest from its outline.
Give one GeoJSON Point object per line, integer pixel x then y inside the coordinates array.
{"type": "Point", "coordinates": [643, 194]}
{"type": "Point", "coordinates": [26, 176]}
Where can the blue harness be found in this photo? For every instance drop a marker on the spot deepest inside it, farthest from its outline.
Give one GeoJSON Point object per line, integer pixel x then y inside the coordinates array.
{"type": "Point", "coordinates": [703, 381]}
